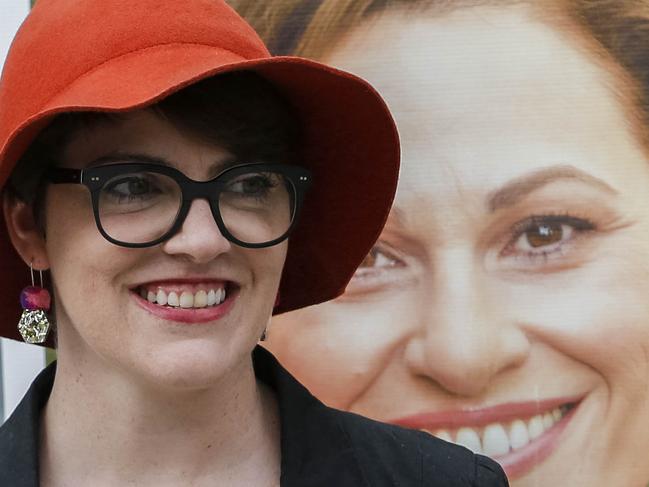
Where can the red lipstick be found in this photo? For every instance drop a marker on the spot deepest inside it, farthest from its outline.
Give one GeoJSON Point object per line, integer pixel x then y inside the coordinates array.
{"type": "Point", "coordinates": [189, 315]}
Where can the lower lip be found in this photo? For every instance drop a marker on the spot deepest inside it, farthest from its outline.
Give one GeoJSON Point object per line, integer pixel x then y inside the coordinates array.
{"type": "Point", "coordinates": [188, 316]}
{"type": "Point", "coordinates": [519, 462]}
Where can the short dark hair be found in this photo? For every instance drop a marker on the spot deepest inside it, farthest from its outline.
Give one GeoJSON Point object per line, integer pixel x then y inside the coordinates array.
{"type": "Point", "coordinates": [241, 112]}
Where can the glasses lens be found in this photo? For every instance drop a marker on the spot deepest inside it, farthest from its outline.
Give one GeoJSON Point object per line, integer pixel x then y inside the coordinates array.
{"type": "Point", "coordinates": [139, 207]}
{"type": "Point", "coordinates": [257, 207]}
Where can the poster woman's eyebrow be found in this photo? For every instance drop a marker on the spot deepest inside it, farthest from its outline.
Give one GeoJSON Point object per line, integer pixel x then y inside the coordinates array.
{"type": "Point", "coordinates": [519, 188]}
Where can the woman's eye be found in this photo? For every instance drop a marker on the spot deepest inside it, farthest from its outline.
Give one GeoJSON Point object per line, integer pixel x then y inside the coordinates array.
{"type": "Point", "coordinates": [382, 269]}
{"type": "Point", "coordinates": [377, 259]}
{"type": "Point", "coordinates": [544, 235]}
{"type": "Point", "coordinates": [131, 187]}
{"type": "Point", "coordinates": [253, 184]}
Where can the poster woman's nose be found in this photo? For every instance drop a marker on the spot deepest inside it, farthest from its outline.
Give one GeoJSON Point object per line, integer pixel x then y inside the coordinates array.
{"type": "Point", "coordinates": [464, 341]}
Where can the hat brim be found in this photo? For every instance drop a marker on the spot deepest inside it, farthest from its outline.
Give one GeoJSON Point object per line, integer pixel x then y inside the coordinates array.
{"type": "Point", "coordinates": [349, 142]}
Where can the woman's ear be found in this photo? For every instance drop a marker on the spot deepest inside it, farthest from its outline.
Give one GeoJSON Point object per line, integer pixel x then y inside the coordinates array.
{"type": "Point", "coordinates": [25, 233]}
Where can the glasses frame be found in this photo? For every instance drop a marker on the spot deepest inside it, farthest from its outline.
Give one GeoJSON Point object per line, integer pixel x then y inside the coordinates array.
{"type": "Point", "coordinates": [94, 179]}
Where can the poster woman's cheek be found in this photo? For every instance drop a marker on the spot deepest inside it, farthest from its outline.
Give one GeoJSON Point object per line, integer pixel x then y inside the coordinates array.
{"type": "Point", "coordinates": [505, 306]}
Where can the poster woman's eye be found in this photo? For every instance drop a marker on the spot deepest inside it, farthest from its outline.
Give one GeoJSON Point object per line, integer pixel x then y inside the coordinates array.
{"type": "Point", "coordinates": [545, 236]}
{"type": "Point", "coordinates": [378, 258]}
{"type": "Point", "coordinates": [381, 267]}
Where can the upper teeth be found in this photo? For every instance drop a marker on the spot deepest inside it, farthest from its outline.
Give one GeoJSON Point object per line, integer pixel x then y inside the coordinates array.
{"type": "Point", "coordinates": [497, 439]}
{"type": "Point", "coordinates": [185, 299]}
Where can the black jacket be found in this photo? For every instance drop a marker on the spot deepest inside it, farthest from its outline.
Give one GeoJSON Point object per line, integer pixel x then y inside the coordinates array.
{"type": "Point", "coordinates": [320, 446]}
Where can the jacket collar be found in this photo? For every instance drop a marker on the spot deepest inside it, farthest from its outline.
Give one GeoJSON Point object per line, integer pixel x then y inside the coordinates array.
{"type": "Point", "coordinates": [316, 449]}
{"type": "Point", "coordinates": [314, 444]}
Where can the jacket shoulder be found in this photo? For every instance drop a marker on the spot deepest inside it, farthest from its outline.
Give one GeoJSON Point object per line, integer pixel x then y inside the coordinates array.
{"type": "Point", "coordinates": [391, 455]}
{"type": "Point", "coordinates": [19, 435]}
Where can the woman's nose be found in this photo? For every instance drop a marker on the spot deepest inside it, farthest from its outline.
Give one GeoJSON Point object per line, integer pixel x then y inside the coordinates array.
{"type": "Point", "coordinates": [465, 340]}
{"type": "Point", "coordinates": [199, 239]}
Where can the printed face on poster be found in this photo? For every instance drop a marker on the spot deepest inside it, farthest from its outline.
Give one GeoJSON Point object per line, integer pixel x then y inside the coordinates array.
{"type": "Point", "coordinates": [505, 306]}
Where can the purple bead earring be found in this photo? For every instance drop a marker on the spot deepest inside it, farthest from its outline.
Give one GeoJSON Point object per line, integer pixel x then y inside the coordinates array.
{"type": "Point", "coordinates": [35, 301]}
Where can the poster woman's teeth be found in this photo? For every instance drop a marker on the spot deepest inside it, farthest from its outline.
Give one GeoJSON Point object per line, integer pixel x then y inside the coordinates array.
{"type": "Point", "coordinates": [498, 439]}
{"type": "Point", "coordinates": [185, 299]}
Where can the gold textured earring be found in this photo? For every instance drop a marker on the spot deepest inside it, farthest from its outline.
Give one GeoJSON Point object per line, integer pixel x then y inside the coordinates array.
{"type": "Point", "coordinates": [35, 301]}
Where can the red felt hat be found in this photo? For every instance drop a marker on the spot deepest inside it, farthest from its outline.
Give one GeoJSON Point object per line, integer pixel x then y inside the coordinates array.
{"type": "Point", "coordinates": [120, 55]}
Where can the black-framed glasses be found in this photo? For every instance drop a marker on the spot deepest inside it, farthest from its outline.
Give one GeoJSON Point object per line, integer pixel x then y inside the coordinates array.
{"type": "Point", "coordinates": [137, 205]}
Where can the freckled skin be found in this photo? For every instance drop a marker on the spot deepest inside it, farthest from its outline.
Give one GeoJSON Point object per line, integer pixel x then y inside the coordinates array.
{"type": "Point", "coordinates": [460, 306]}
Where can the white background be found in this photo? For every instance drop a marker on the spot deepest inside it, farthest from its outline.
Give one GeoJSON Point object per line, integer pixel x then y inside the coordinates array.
{"type": "Point", "coordinates": [19, 362]}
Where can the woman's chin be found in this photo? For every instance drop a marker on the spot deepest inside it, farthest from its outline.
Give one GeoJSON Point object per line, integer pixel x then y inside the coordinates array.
{"type": "Point", "coordinates": [188, 367]}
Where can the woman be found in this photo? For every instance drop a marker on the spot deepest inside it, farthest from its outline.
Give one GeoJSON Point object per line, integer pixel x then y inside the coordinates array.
{"type": "Point", "coordinates": [505, 304]}
{"type": "Point", "coordinates": [154, 159]}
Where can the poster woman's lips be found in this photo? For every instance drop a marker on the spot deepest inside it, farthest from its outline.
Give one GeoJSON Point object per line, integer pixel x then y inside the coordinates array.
{"type": "Point", "coordinates": [518, 435]}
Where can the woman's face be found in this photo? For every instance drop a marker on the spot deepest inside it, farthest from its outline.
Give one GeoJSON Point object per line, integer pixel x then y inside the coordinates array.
{"type": "Point", "coordinates": [102, 319]}
{"type": "Point", "coordinates": [505, 306]}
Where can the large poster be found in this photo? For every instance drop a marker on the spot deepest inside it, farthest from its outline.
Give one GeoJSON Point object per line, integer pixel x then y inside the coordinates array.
{"type": "Point", "coordinates": [506, 305]}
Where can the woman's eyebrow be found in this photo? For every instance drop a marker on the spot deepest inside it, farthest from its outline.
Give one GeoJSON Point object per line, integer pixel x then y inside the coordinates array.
{"type": "Point", "coordinates": [514, 191]}
{"type": "Point", "coordinates": [118, 156]}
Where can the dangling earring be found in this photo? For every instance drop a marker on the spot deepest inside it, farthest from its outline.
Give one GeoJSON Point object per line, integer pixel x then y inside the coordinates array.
{"type": "Point", "coordinates": [35, 300]}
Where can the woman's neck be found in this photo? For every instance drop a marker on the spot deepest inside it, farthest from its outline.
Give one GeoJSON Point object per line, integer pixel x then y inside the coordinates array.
{"type": "Point", "coordinates": [102, 427]}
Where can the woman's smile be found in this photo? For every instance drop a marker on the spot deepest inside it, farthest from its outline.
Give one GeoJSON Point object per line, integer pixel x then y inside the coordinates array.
{"type": "Point", "coordinates": [187, 300]}
{"type": "Point", "coordinates": [519, 435]}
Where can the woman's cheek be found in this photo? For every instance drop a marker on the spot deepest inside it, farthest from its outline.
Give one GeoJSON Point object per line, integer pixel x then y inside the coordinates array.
{"type": "Point", "coordinates": [83, 268]}
{"type": "Point", "coordinates": [337, 349]}
{"type": "Point", "coordinates": [597, 315]}
{"type": "Point", "coordinates": [611, 338]}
